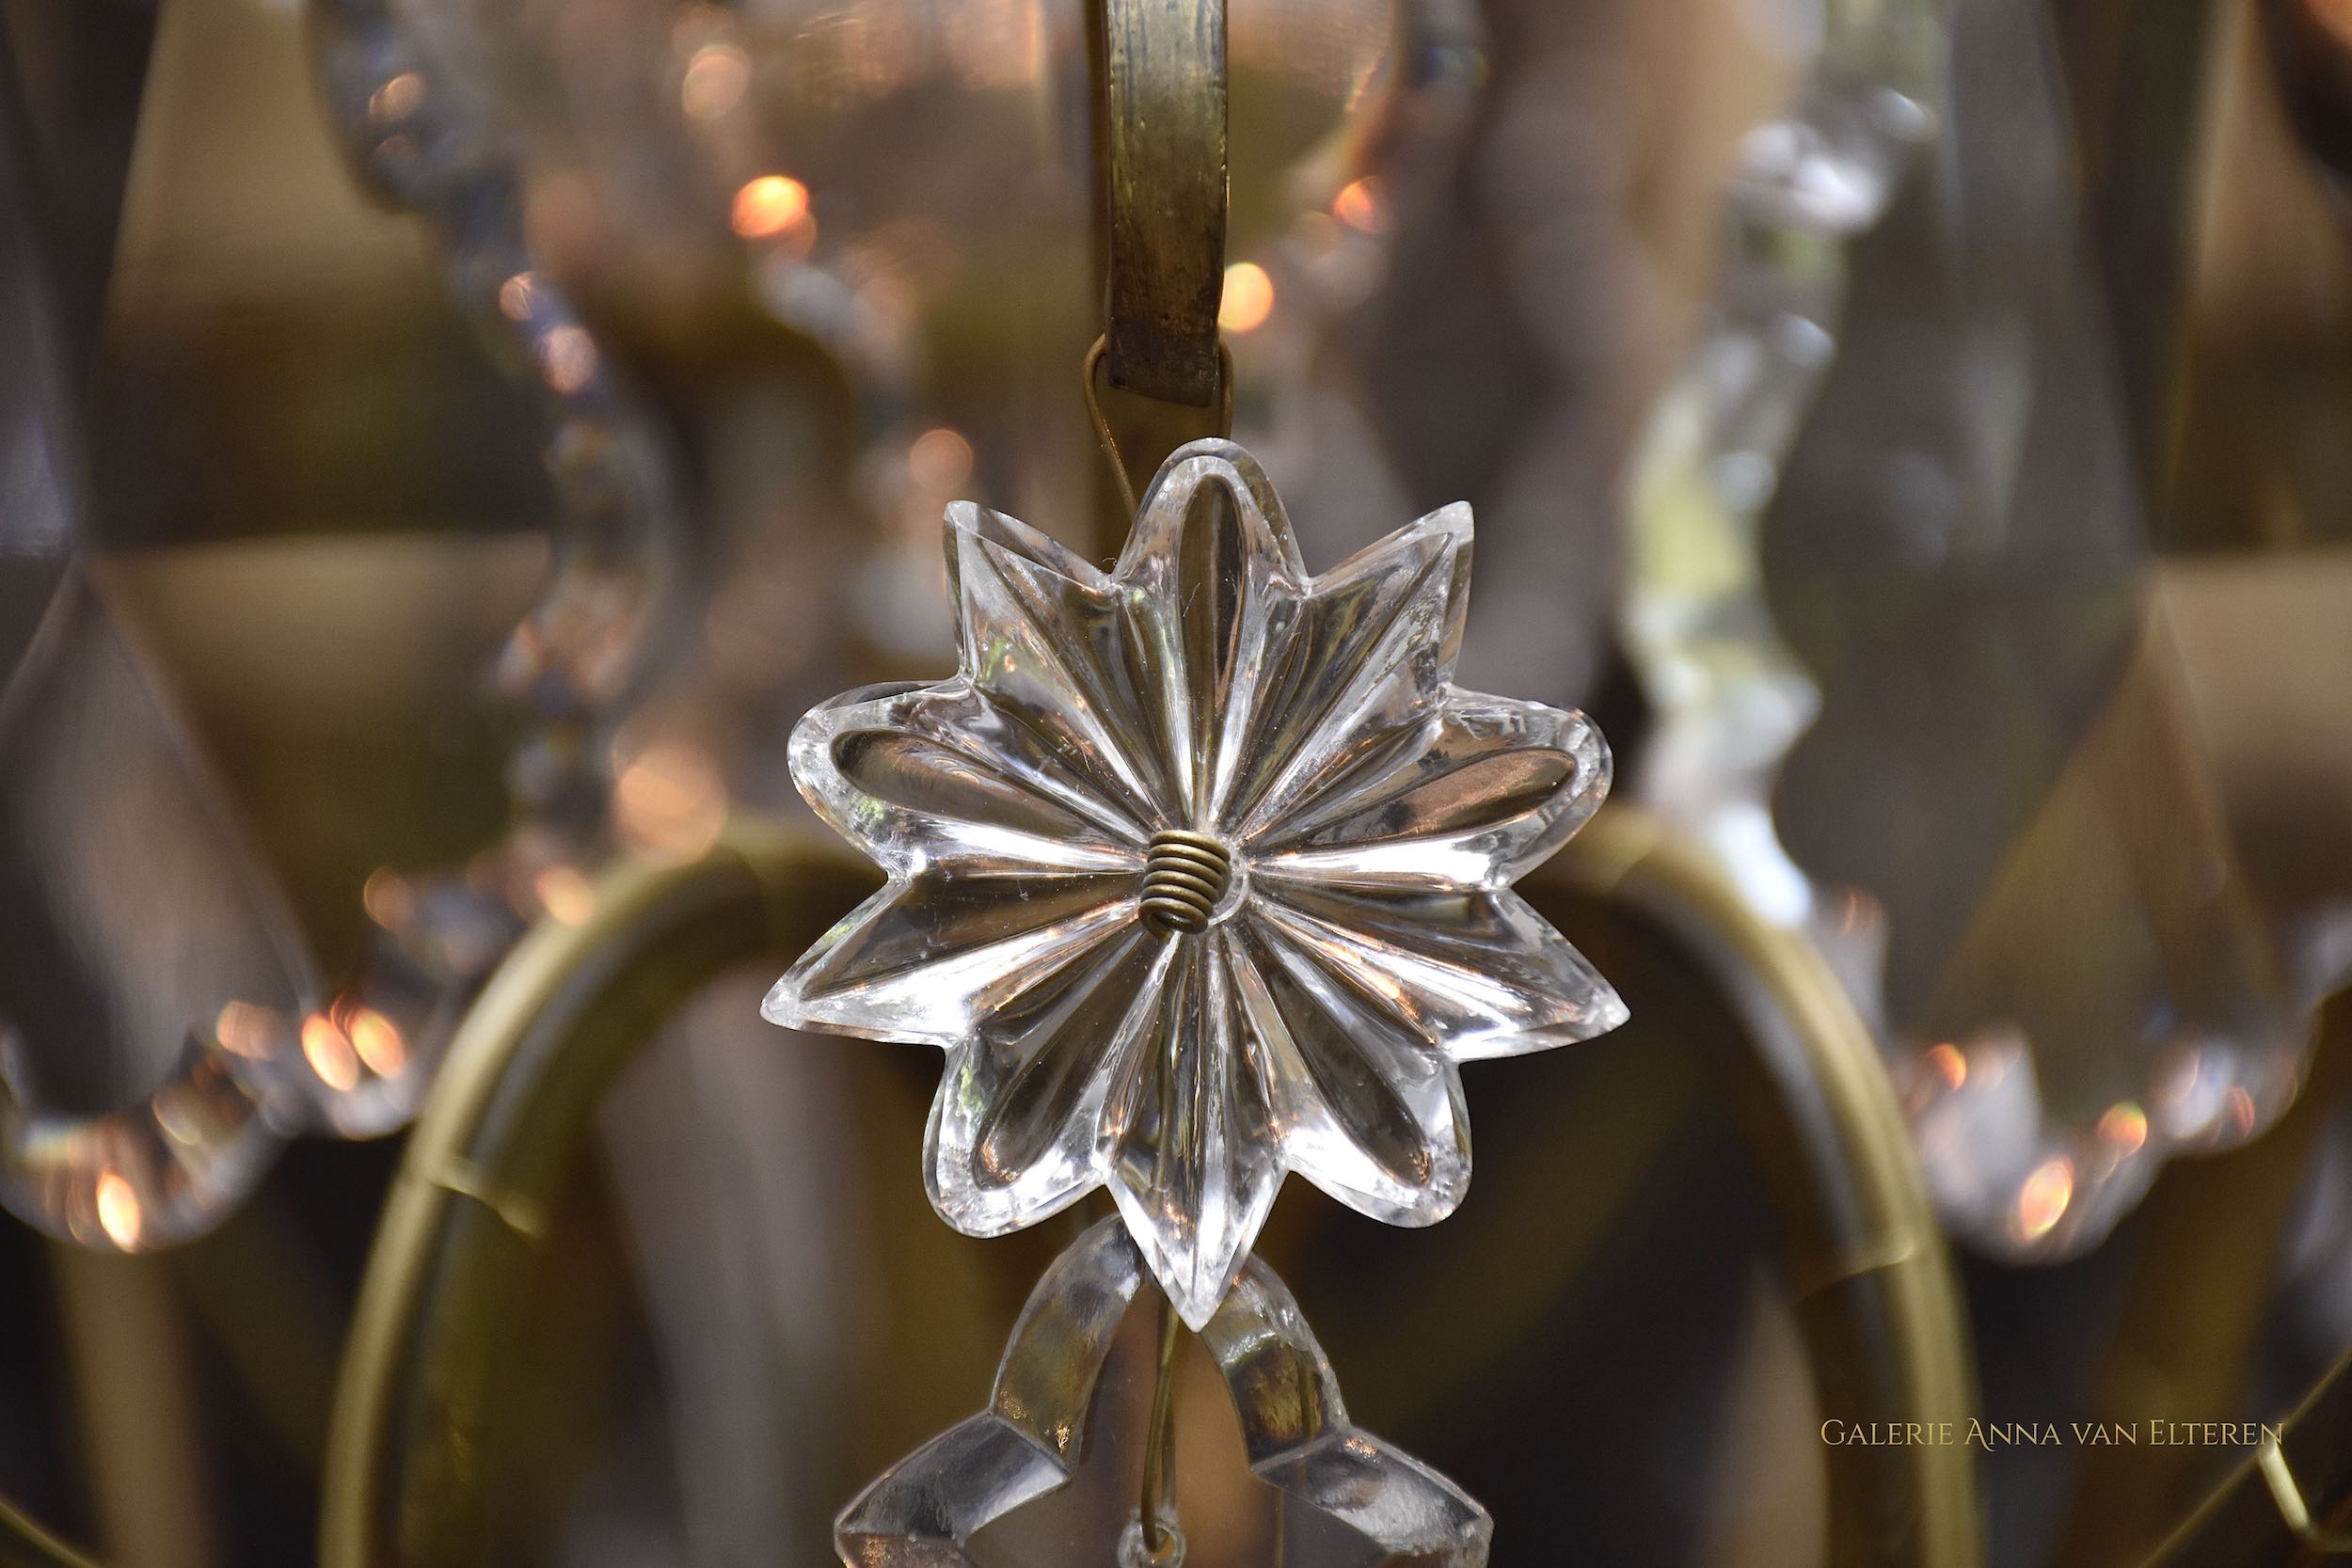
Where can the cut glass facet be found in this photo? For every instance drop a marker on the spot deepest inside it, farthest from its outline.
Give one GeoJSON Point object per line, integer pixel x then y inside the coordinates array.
{"type": "Point", "coordinates": [1344, 1499]}
{"type": "Point", "coordinates": [1364, 941]}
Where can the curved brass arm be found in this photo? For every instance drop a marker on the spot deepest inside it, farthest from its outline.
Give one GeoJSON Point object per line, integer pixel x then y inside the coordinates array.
{"type": "Point", "coordinates": [1864, 1259]}
{"type": "Point", "coordinates": [516, 1101]}
{"type": "Point", "coordinates": [25, 1544]}
{"type": "Point", "coordinates": [1873, 1290]}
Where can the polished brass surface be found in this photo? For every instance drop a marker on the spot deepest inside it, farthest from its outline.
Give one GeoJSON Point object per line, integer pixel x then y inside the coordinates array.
{"type": "Point", "coordinates": [1184, 878]}
{"type": "Point", "coordinates": [1164, 127]}
{"type": "Point", "coordinates": [1863, 1259]}
{"type": "Point", "coordinates": [25, 1544]}
{"type": "Point", "coordinates": [2288, 1501]}
{"type": "Point", "coordinates": [496, 1142]}
{"type": "Point", "coordinates": [2272, 1461]}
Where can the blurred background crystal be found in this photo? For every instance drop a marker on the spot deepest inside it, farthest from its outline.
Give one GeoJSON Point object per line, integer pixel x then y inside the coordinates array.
{"type": "Point", "coordinates": [2008, 812]}
{"type": "Point", "coordinates": [152, 976]}
{"type": "Point", "coordinates": [429, 557]}
{"type": "Point", "coordinates": [1728, 697]}
{"type": "Point", "coordinates": [1959, 564]}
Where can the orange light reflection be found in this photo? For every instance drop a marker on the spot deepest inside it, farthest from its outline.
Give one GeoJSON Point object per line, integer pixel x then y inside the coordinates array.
{"type": "Point", "coordinates": [2124, 1126]}
{"type": "Point", "coordinates": [1248, 298]}
{"type": "Point", "coordinates": [939, 460]}
{"type": "Point", "coordinates": [769, 205]}
{"type": "Point", "coordinates": [568, 897]}
{"type": "Point", "coordinates": [118, 1210]}
{"type": "Point", "coordinates": [2042, 1201]}
{"type": "Point", "coordinates": [328, 1049]}
{"type": "Point", "coordinates": [715, 81]}
{"type": "Point", "coordinates": [1362, 206]}
{"type": "Point", "coordinates": [377, 1041]}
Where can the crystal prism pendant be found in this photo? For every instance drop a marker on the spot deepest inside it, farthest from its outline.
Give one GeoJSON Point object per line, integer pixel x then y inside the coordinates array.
{"type": "Point", "coordinates": [2080, 982]}
{"type": "Point", "coordinates": [1343, 1498]}
{"type": "Point", "coordinates": [1920, 673]}
{"type": "Point", "coordinates": [152, 970]}
{"type": "Point", "coordinates": [150, 1063]}
{"type": "Point", "coordinates": [1200, 872]}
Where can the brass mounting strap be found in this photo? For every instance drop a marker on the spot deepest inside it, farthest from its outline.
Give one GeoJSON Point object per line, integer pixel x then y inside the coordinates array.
{"type": "Point", "coordinates": [1164, 126]}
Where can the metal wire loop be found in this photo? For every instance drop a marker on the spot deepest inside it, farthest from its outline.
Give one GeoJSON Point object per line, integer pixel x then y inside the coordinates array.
{"type": "Point", "coordinates": [1102, 433]}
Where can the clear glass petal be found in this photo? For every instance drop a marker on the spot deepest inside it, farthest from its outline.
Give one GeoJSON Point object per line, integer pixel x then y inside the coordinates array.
{"type": "Point", "coordinates": [1370, 1112]}
{"type": "Point", "coordinates": [1049, 643]}
{"type": "Point", "coordinates": [1374, 646]}
{"type": "Point", "coordinates": [1012, 1129]}
{"type": "Point", "coordinates": [938, 777]}
{"type": "Point", "coordinates": [1476, 973]}
{"type": "Point", "coordinates": [1372, 817]}
{"type": "Point", "coordinates": [1192, 1155]}
{"type": "Point", "coordinates": [1215, 581]}
{"type": "Point", "coordinates": [929, 959]}
{"type": "Point", "coordinates": [1478, 793]}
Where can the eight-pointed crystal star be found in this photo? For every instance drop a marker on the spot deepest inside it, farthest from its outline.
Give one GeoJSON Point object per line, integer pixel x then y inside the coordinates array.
{"type": "Point", "coordinates": [1199, 871]}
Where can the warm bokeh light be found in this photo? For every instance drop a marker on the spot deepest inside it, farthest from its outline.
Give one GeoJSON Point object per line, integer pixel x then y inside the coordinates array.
{"type": "Point", "coordinates": [389, 899]}
{"type": "Point", "coordinates": [564, 221]}
{"type": "Point", "coordinates": [568, 354]}
{"type": "Point", "coordinates": [2124, 1127]}
{"type": "Point", "coordinates": [769, 205]}
{"type": "Point", "coordinates": [939, 460]}
{"type": "Point", "coordinates": [1363, 205]}
{"type": "Point", "coordinates": [715, 81]}
{"type": "Point", "coordinates": [670, 803]}
{"type": "Point", "coordinates": [377, 1041]}
{"type": "Point", "coordinates": [517, 296]}
{"type": "Point", "coordinates": [396, 99]}
{"type": "Point", "coordinates": [2177, 1075]}
{"type": "Point", "coordinates": [328, 1049]}
{"type": "Point", "coordinates": [245, 1029]}
{"type": "Point", "coordinates": [118, 1210]}
{"type": "Point", "coordinates": [2042, 1201]}
{"type": "Point", "coordinates": [179, 1111]}
{"type": "Point", "coordinates": [568, 897]}
{"type": "Point", "coordinates": [1947, 1064]}
{"type": "Point", "coordinates": [1248, 298]}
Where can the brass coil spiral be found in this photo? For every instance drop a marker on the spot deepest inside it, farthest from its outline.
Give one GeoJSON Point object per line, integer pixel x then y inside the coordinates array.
{"type": "Point", "coordinates": [1184, 878]}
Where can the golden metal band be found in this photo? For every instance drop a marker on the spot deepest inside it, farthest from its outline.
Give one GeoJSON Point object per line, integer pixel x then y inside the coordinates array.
{"type": "Point", "coordinates": [1164, 130]}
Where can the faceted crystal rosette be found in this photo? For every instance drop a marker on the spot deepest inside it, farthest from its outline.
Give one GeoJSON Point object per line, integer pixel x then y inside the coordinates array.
{"type": "Point", "coordinates": [1200, 872]}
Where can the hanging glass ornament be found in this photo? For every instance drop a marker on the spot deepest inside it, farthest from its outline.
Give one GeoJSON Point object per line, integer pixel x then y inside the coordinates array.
{"type": "Point", "coordinates": [908, 185]}
{"type": "Point", "coordinates": [1340, 1494]}
{"type": "Point", "coordinates": [422, 136]}
{"type": "Point", "coordinates": [1729, 698]}
{"type": "Point", "coordinates": [1200, 872]}
{"type": "Point", "coordinates": [153, 977]}
{"type": "Point", "coordinates": [229, 1043]}
{"type": "Point", "coordinates": [1946, 587]}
